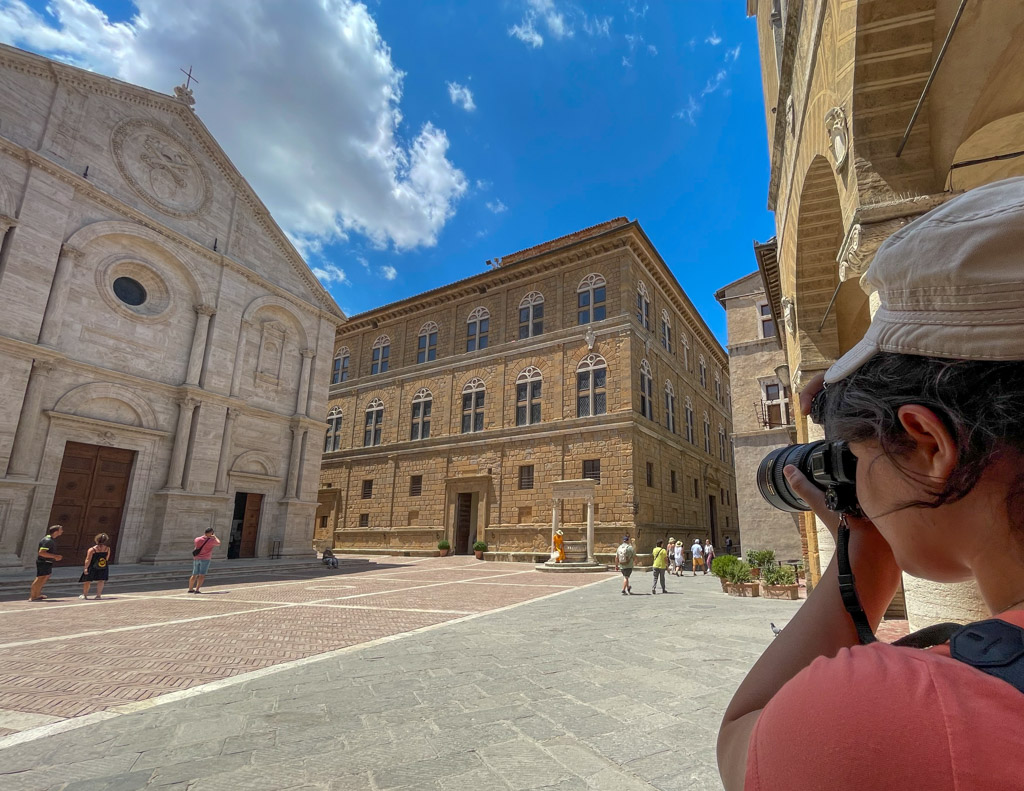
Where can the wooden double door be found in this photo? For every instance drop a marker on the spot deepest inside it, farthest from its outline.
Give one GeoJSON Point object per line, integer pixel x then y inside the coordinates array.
{"type": "Point", "coordinates": [92, 489]}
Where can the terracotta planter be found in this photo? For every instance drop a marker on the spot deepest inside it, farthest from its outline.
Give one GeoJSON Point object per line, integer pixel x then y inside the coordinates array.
{"type": "Point", "coordinates": [725, 584]}
{"type": "Point", "coordinates": [789, 592]}
{"type": "Point", "coordinates": [443, 552]}
{"type": "Point", "coordinates": [755, 573]}
{"type": "Point", "coordinates": [744, 589]}
{"type": "Point", "coordinates": [479, 555]}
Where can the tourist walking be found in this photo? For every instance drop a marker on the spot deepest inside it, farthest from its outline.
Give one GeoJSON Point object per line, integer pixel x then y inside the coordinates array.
{"type": "Point", "coordinates": [698, 556]}
{"type": "Point", "coordinates": [728, 545]}
{"type": "Point", "coordinates": [201, 555]}
{"type": "Point", "coordinates": [45, 558]}
{"type": "Point", "coordinates": [671, 549]}
{"type": "Point", "coordinates": [709, 554]}
{"type": "Point", "coordinates": [660, 556]}
{"type": "Point", "coordinates": [96, 562]}
{"type": "Point", "coordinates": [625, 555]}
{"type": "Point", "coordinates": [679, 559]}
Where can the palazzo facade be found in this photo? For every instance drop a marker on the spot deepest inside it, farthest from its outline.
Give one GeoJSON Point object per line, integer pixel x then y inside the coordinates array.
{"type": "Point", "coordinates": [164, 350]}
{"type": "Point", "coordinates": [453, 414]}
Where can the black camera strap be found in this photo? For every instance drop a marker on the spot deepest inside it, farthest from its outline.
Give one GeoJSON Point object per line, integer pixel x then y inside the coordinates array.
{"type": "Point", "coordinates": [848, 585]}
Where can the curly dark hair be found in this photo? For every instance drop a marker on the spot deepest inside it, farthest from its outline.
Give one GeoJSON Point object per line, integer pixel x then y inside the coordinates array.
{"type": "Point", "coordinates": [981, 403]}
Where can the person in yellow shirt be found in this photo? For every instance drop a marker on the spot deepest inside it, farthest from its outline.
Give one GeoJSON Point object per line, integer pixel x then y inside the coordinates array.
{"type": "Point", "coordinates": [660, 566]}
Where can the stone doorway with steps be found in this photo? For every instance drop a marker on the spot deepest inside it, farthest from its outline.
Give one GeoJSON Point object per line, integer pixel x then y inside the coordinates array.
{"type": "Point", "coordinates": [463, 523]}
{"type": "Point", "coordinates": [245, 525]}
{"type": "Point", "coordinates": [467, 499]}
{"type": "Point", "coordinates": [90, 496]}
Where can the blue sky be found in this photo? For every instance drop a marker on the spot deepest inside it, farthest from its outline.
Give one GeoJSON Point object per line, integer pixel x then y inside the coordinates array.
{"type": "Point", "coordinates": [491, 126]}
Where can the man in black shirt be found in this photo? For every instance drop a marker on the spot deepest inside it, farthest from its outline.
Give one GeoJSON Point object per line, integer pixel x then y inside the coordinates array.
{"type": "Point", "coordinates": [44, 561]}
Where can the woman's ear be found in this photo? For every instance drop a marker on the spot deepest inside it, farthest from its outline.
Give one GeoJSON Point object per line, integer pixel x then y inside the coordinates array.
{"type": "Point", "coordinates": [934, 454]}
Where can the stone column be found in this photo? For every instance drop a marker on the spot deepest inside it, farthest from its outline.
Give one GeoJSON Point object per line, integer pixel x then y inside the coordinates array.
{"type": "Point", "coordinates": [236, 372]}
{"type": "Point", "coordinates": [195, 360]}
{"type": "Point", "coordinates": [590, 530]}
{"type": "Point", "coordinates": [298, 434]}
{"type": "Point", "coordinates": [23, 451]}
{"type": "Point", "coordinates": [554, 520]}
{"type": "Point", "coordinates": [300, 402]}
{"type": "Point", "coordinates": [176, 468]}
{"type": "Point", "coordinates": [53, 317]}
{"type": "Point", "coordinates": [225, 448]}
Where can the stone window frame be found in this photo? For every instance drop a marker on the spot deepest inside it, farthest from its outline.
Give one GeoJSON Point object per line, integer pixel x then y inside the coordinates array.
{"type": "Point", "coordinates": [666, 331]}
{"type": "Point", "coordinates": [594, 470]}
{"type": "Point", "coordinates": [332, 440]}
{"type": "Point", "coordinates": [367, 491]}
{"type": "Point", "coordinates": [643, 305]}
{"type": "Point", "coordinates": [473, 407]}
{"type": "Point", "coordinates": [691, 434]}
{"type": "Point", "coordinates": [702, 368]}
{"type": "Point", "coordinates": [422, 406]}
{"type": "Point", "coordinates": [339, 370]}
{"type": "Point", "coordinates": [526, 479]}
{"type": "Point", "coordinates": [426, 343]}
{"type": "Point", "coordinates": [587, 291]}
{"type": "Point", "coordinates": [364, 520]}
{"type": "Point", "coordinates": [270, 359]}
{"type": "Point", "coordinates": [478, 326]}
{"type": "Point", "coordinates": [674, 481]}
{"type": "Point", "coordinates": [646, 390]}
{"type": "Point", "coordinates": [721, 442]}
{"type": "Point", "coordinates": [783, 400]}
{"type": "Point", "coordinates": [528, 396]}
{"type": "Point", "coordinates": [587, 385]}
{"type": "Point", "coordinates": [765, 320]}
{"type": "Point", "coordinates": [686, 351]}
{"type": "Point", "coordinates": [707, 433]}
{"type": "Point", "coordinates": [670, 406]}
{"type": "Point", "coordinates": [380, 355]}
{"type": "Point", "coordinates": [532, 306]}
{"type": "Point", "coordinates": [415, 485]}
{"type": "Point", "coordinates": [650, 474]}
{"type": "Point", "coordinates": [373, 427]}
{"type": "Point", "coordinates": [718, 386]}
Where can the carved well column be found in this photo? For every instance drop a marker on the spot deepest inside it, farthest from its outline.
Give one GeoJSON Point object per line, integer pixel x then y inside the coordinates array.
{"type": "Point", "coordinates": [298, 434]}
{"type": "Point", "coordinates": [176, 467]}
{"type": "Point", "coordinates": [590, 530]}
{"type": "Point", "coordinates": [307, 361]}
{"type": "Point", "coordinates": [54, 315]}
{"type": "Point", "coordinates": [24, 450]}
{"type": "Point", "coordinates": [236, 373]}
{"type": "Point", "coordinates": [225, 449]}
{"type": "Point", "coordinates": [195, 360]}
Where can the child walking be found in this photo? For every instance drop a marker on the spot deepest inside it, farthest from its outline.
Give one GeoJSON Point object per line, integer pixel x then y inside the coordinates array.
{"type": "Point", "coordinates": [96, 561]}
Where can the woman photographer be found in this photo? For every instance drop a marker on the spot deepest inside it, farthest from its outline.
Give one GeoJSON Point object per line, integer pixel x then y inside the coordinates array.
{"type": "Point", "coordinates": [931, 402]}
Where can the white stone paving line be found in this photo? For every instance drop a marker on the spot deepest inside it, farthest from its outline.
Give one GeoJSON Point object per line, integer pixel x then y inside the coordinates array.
{"type": "Point", "coordinates": [172, 697]}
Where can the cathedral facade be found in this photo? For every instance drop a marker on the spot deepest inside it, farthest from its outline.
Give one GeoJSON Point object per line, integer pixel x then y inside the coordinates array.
{"type": "Point", "coordinates": [455, 414]}
{"type": "Point", "coordinates": [164, 350]}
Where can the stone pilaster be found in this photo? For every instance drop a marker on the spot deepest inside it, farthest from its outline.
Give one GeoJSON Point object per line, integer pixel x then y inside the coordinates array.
{"type": "Point", "coordinates": [225, 450]}
{"type": "Point", "coordinates": [195, 360]}
{"type": "Point", "coordinates": [236, 371]}
{"type": "Point", "coordinates": [300, 401]}
{"type": "Point", "coordinates": [176, 467]}
{"type": "Point", "coordinates": [24, 459]}
{"type": "Point", "coordinates": [53, 317]}
{"type": "Point", "coordinates": [298, 435]}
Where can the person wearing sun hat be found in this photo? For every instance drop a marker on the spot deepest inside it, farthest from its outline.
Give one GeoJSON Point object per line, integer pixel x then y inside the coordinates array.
{"type": "Point", "coordinates": [931, 404]}
{"type": "Point", "coordinates": [558, 543]}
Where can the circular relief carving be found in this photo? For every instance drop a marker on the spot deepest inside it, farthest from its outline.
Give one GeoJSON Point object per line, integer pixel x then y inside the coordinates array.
{"type": "Point", "coordinates": [160, 167]}
{"type": "Point", "coordinates": [133, 288]}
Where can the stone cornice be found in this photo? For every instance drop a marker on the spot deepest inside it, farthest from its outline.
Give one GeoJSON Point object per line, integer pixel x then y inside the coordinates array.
{"type": "Point", "coordinates": [38, 66]}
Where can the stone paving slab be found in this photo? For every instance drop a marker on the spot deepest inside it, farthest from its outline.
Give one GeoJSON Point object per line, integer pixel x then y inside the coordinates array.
{"type": "Point", "coordinates": [584, 690]}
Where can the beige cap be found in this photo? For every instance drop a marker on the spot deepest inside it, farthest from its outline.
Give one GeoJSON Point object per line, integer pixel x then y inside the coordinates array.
{"type": "Point", "coordinates": [950, 283]}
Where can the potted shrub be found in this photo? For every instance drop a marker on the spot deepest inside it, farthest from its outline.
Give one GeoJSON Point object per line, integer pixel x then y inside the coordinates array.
{"type": "Point", "coordinates": [780, 583]}
{"type": "Point", "coordinates": [479, 548]}
{"type": "Point", "coordinates": [443, 547]}
{"type": "Point", "coordinates": [740, 583]}
{"type": "Point", "coordinates": [720, 567]}
{"type": "Point", "coordinates": [759, 560]}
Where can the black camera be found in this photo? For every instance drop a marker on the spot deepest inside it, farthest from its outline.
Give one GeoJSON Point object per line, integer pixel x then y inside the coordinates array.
{"type": "Point", "coordinates": [831, 466]}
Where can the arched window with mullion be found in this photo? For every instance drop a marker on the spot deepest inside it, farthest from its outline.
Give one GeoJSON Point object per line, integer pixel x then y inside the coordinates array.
{"type": "Point", "coordinates": [670, 407]}
{"type": "Point", "coordinates": [333, 439]}
{"type": "Point", "coordinates": [380, 357]}
{"type": "Point", "coordinates": [531, 315]}
{"type": "Point", "coordinates": [643, 305]}
{"type": "Point", "coordinates": [422, 403]}
{"type": "Point", "coordinates": [528, 392]}
{"type": "Point", "coordinates": [721, 442]}
{"type": "Point", "coordinates": [339, 372]}
{"type": "Point", "coordinates": [707, 433]}
{"type": "Point", "coordinates": [646, 391]}
{"type": "Point", "coordinates": [690, 436]}
{"type": "Point", "coordinates": [374, 424]}
{"type": "Point", "coordinates": [666, 332]}
{"type": "Point", "coordinates": [590, 299]}
{"type": "Point", "coordinates": [591, 381]}
{"type": "Point", "coordinates": [477, 329]}
{"type": "Point", "coordinates": [473, 406]}
{"type": "Point", "coordinates": [426, 343]}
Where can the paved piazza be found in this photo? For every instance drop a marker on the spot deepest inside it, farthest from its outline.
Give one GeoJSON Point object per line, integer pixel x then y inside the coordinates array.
{"type": "Point", "coordinates": [395, 674]}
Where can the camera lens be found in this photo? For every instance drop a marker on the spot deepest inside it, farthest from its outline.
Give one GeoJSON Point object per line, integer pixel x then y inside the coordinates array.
{"type": "Point", "coordinates": [771, 481]}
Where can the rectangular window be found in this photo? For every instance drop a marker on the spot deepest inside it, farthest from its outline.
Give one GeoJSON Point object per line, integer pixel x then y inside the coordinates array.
{"type": "Point", "coordinates": [528, 403]}
{"type": "Point", "coordinates": [415, 485]}
{"type": "Point", "coordinates": [531, 321]}
{"type": "Point", "coordinates": [673, 480]}
{"type": "Point", "coordinates": [323, 522]}
{"type": "Point", "coordinates": [696, 490]}
{"type": "Point", "coordinates": [367, 489]}
{"type": "Point", "coordinates": [592, 469]}
{"type": "Point", "coordinates": [476, 334]}
{"type": "Point", "coordinates": [590, 305]}
{"type": "Point", "coordinates": [526, 476]}
{"type": "Point", "coordinates": [380, 357]}
{"type": "Point", "coordinates": [426, 347]}
{"type": "Point", "coordinates": [473, 411]}
{"type": "Point", "coordinates": [767, 322]}
{"type": "Point", "coordinates": [650, 474]}
{"type": "Point", "coordinates": [364, 520]}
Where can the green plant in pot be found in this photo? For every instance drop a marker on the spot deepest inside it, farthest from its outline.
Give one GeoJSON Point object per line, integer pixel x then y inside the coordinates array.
{"type": "Point", "coordinates": [780, 583]}
{"type": "Point", "coordinates": [760, 560]}
{"type": "Point", "coordinates": [739, 573]}
{"type": "Point", "coordinates": [479, 548]}
{"type": "Point", "coordinates": [443, 547]}
{"type": "Point", "coordinates": [720, 567]}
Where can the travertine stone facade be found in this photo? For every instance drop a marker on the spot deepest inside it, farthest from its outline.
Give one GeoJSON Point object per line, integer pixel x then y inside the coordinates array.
{"type": "Point", "coordinates": [841, 80]}
{"type": "Point", "coordinates": [400, 512]}
{"type": "Point", "coordinates": [762, 413]}
{"type": "Point", "coordinates": [162, 345]}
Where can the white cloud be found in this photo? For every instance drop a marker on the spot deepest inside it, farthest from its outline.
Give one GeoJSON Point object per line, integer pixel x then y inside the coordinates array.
{"type": "Point", "coordinates": [557, 21]}
{"type": "Point", "coordinates": [714, 83]}
{"type": "Point", "coordinates": [319, 140]}
{"type": "Point", "coordinates": [461, 96]}
{"type": "Point", "coordinates": [714, 39]}
{"type": "Point", "coordinates": [363, 262]}
{"type": "Point", "coordinates": [637, 11]}
{"type": "Point", "coordinates": [733, 54]}
{"type": "Point", "coordinates": [597, 26]}
{"type": "Point", "coordinates": [653, 50]}
{"type": "Point", "coordinates": [526, 33]}
{"type": "Point", "coordinates": [690, 112]}
{"type": "Point", "coordinates": [483, 184]}
{"type": "Point", "coordinates": [626, 62]}
{"type": "Point", "coordinates": [388, 272]}
{"type": "Point", "coordinates": [496, 206]}
{"type": "Point", "coordinates": [329, 273]}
